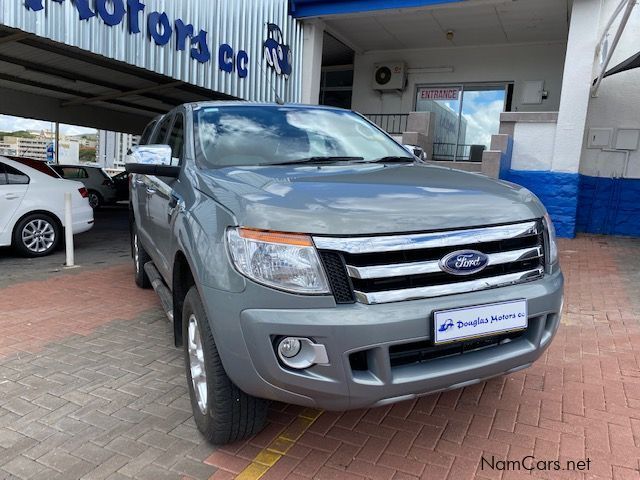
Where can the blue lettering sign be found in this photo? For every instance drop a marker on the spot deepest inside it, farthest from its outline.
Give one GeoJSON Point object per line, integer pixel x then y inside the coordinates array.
{"type": "Point", "coordinates": [157, 21]}
{"type": "Point", "coordinates": [34, 5]}
{"type": "Point", "coordinates": [111, 18]}
{"type": "Point", "coordinates": [241, 64]}
{"type": "Point", "coordinates": [84, 11]}
{"type": "Point", "coordinates": [134, 7]}
{"type": "Point", "coordinates": [200, 47]}
{"type": "Point", "coordinates": [183, 31]}
{"type": "Point", "coordinates": [160, 30]}
{"type": "Point", "coordinates": [225, 58]}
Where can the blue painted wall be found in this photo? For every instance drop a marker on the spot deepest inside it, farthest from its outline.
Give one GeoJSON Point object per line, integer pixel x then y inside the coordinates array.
{"type": "Point", "coordinates": [609, 206]}
{"type": "Point", "coordinates": [314, 8]}
{"type": "Point", "coordinates": [580, 203]}
{"type": "Point", "coordinates": [557, 191]}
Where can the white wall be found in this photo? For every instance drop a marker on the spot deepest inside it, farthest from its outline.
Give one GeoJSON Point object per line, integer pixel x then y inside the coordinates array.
{"type": "Point", "coordinates": [533, 146]}
{"type": "Point", "coordinates": [500, 63]}
{"type": "Point", "coordinates": [617, 104]}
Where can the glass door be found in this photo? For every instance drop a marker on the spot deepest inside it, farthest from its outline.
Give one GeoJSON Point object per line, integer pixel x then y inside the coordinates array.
{"type": "Point", "coordinates": [466, 116]}
{"type": "Point", "coordinates": [480, 119]}
{"type": "Point", "coordinates": [445, 103]}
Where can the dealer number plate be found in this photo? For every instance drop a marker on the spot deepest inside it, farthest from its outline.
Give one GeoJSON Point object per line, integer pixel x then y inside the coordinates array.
{"type": "Point", "coordinates": [479, 321]}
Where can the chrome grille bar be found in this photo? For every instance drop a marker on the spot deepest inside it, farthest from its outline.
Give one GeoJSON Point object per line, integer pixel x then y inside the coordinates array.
{"type": "Point", "coordinates": [357, 245]}
{"type": "Point", "coordinates": [371, 298]}
{"type": "Point", "coordinates": [418, 268]}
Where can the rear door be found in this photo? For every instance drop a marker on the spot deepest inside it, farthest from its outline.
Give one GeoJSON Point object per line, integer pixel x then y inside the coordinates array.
{"type": "Point", "coordinates": [13, 188]}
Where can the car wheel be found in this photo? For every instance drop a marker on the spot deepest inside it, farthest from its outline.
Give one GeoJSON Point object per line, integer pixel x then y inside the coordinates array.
{"type": "Point", "coordinates": [95, 200]}
{"type": "Point", "coordinates": [222, 412]}
{"type": "Point", "coordinates": [37, 235]}
{"type": "Point", "coordinates": [140, 257]}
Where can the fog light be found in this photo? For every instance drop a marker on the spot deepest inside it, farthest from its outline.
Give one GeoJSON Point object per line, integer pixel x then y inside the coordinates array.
{"type": "Point", "coordinates": [289, 347]}
{"type": "Point", "coordinates": [300, 352]}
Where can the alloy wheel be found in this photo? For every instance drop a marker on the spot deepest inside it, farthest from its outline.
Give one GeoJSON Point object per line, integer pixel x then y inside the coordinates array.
{"type": "Point", "coordinates": [38, 235]}
{"type": "Point", "coordinates": [196, 364]}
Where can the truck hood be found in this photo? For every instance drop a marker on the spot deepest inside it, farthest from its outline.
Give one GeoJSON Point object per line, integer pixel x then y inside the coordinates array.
{"type": "Point", "coordinates": [351, 199]}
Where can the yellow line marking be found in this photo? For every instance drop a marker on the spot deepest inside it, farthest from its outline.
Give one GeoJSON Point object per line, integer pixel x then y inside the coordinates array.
{"type": "Point", "coordinates": [270, 455]}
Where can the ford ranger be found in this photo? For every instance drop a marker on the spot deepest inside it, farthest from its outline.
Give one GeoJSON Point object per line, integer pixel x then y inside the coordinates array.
{"type": "Point", "coordinates": [306, 257]}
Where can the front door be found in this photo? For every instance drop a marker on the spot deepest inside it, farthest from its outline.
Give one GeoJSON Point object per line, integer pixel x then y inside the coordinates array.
{"type": "Point", "coordinates": [166, 202]}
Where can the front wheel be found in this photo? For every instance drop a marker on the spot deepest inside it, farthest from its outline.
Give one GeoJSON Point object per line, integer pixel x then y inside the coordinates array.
{"type": "Point", "coordinates": [222, 412]}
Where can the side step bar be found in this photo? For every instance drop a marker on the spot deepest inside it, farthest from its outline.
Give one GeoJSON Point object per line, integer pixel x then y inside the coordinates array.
{"type": "Point", "coordinates": [161, 289]}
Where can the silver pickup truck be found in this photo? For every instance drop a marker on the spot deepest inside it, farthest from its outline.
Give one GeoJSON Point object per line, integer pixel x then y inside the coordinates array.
{"type": "Point", "coordinates": [304, 256]}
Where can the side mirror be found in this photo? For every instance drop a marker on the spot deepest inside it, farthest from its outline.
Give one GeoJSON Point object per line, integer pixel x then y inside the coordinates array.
{"type": "Point", "coordinates": [416, 151]}
{"type": "Point", "coordinates": [151, 160]}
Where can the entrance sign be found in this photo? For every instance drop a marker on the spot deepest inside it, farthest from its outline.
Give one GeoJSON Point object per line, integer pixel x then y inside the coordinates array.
{"type": "Point", "coordinates": [444, 93]}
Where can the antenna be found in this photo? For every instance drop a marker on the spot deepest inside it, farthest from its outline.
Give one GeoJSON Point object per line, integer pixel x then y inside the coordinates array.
{"type": "Point", "coordinates": [279, 100]}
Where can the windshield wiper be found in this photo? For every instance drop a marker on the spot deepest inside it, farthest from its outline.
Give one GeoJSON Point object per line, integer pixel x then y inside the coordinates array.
{"type": "Point", "coordinates": [393, 159]}
{"type": "Point", "coordinates": [319, 160]}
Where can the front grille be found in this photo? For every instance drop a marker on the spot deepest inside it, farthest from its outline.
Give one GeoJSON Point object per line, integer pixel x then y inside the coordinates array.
{"type": "Point", "coordinates": [391, 268]}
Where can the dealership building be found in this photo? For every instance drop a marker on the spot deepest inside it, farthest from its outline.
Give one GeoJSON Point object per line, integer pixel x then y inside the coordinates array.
{"type": "Point", "coordinates": [538, 92]}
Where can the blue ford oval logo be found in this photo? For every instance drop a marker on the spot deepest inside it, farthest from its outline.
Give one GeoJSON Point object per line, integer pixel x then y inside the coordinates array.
{"type": "Point", "coordinates": [464, 262]}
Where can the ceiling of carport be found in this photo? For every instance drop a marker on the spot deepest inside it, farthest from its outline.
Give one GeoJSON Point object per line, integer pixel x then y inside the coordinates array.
{"type": "Point", "coordinates": [475, 22]}
{"type": "Point", "coordinates": [50, 81]}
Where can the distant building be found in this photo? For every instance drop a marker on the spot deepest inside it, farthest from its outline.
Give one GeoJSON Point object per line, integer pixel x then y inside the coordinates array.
{"type": "Point", "coordinates": [113, 147]}
{"type": "Point", "coordinates": [36, 147]}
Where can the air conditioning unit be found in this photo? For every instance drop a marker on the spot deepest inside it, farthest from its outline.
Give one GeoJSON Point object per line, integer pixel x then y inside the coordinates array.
{"type": "Point", "coordinates": [389, 76]}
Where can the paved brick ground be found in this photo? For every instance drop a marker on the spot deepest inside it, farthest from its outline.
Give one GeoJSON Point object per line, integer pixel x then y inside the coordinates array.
{"type": "Point", "coordinates": [97, 391]}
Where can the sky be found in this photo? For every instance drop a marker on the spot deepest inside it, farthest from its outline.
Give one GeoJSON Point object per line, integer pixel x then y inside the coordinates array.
{"type": "Point", "coordinates": [12, 124]}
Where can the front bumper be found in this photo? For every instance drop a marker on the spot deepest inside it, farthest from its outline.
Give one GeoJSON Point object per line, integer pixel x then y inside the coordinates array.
{"type": "Point", "coordinates": [245, 342]}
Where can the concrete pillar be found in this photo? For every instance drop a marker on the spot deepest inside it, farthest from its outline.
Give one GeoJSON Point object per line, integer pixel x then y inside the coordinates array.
{"type": "Point", "coordinates": [420, 131]}
{"type": "Point", "coordinates": [313, 37]}
{"type": "Point", "coordinates": [576, 85]}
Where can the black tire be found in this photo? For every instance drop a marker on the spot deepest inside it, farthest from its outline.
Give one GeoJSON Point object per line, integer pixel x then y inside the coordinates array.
{"type": "Point", "coordinates": [37, 235]}
{"type": "Point", "coordinates": [140, 257]}
{"type": "Point", "coordinates": [95, 200]}
{"type": "Point", "coordinates": [229, 414]}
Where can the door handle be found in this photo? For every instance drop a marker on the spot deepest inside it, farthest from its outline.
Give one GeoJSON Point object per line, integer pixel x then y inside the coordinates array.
{"type": "Point", "coordinates": [11, 196]}
{"type": "Point", "coordinates": [175, 202]}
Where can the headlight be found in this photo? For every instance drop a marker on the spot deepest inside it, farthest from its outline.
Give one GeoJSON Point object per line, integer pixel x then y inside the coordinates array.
{"type": "Point", "coordinates": [553, 246]}
{"type": "Point", "coordinates": [287, 261]}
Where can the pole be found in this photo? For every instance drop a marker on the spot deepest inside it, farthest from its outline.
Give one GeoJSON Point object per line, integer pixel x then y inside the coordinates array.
{"type": "Point", "coordinates": [68, 230]}
{"type": "Point", "coordinates": [56, 152]}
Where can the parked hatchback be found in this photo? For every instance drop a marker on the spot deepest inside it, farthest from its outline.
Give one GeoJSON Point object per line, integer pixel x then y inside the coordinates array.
{"type": "Point", "coordinates": [102, 190]}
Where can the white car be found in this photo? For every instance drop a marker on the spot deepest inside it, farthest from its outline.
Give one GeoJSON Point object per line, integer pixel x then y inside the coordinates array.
{"type": "Point", "coordinates": [32, 208]}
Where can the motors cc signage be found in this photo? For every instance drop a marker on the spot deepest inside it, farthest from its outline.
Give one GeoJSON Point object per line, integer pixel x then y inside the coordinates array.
{"type": "Point", "coordinates": [161, 30]}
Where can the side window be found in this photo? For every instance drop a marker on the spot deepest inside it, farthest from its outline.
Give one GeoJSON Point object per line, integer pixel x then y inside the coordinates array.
{"type": "Point", "coordinates": [3, 176]}
{"type": "Point", "coordinates": [82, 173]}
{"type": "Point", "coordinates": [160, 135]}
{"type": "Point", "coordinates": [146, 134]}
{"type": "Point", "coordinates": [176, 140]}
{"type": "Point", "coordinates": [15, 177]}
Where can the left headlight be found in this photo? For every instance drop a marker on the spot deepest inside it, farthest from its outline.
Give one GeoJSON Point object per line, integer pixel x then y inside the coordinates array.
{"type": "Point", "coordinates": [286, 261]}
{"type": "Point", "coordinates": [553, 245]}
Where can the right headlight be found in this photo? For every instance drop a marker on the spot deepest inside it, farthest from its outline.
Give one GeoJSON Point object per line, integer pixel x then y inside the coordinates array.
{"type": "Point", "coordinates": [553, 245]}
{"type": "Point", "coordinates": [286, 261]}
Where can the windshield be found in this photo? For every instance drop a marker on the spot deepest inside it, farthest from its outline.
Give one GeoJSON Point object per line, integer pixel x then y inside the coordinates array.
{"type": "Point", "coordinates": [259, 135]}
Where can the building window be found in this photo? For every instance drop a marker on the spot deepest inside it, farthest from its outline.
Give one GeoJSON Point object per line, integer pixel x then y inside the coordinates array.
{"type": "Point", "coordinates": [336, 86]}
